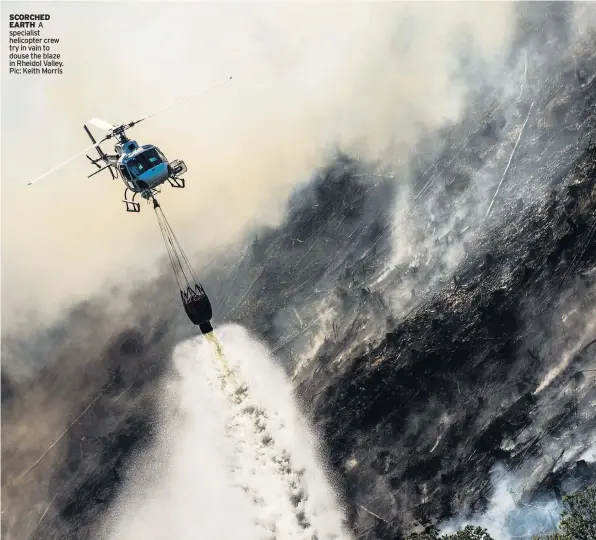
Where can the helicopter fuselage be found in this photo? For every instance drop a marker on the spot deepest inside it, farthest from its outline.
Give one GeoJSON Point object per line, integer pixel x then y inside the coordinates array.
{"type": "Point", "coordinates": [141, 167]}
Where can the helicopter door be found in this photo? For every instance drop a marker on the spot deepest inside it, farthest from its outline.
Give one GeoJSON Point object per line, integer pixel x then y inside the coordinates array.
{"type": "Point", "coordinates": [124, 172]}
{"type": "Point", "coordinates": [126, 175]}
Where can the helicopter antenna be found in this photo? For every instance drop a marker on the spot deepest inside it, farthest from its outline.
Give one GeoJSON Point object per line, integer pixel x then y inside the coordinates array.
{"type": "Point", "coordinates": [118, 130]}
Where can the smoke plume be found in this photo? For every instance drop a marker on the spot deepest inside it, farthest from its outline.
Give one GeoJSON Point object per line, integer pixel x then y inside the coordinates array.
{"type": "Point", "coordinates": [369, 78]}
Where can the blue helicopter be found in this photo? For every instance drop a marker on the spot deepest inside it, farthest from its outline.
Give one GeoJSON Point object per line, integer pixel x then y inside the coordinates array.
{"type": "Point", "coordinates": [142, 168]}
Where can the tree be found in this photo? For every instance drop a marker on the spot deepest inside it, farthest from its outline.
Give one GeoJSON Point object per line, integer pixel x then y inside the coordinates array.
{"type": "Point", "coordinates": [469, 533]}
{"type": "Point", "coordinates": [578, 522]}
{"type": "Point", "coordinates": [578, 519]}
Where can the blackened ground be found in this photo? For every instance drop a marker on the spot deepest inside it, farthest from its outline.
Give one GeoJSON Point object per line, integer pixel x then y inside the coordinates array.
{"type": "Point", "coordinates": [452, 362]}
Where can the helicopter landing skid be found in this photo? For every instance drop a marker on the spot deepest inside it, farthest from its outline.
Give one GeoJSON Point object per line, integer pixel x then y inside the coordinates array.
{"type": "Point", "coordinates": [131, 205]}
{"type": "Point", "coordinates": [176, 182]}
{"type": "Point", "coordinates": [176, 168]}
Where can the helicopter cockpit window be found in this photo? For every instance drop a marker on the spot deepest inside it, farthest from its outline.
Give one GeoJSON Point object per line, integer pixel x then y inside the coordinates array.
{"type": "Point", "coordinates": [144, 161]}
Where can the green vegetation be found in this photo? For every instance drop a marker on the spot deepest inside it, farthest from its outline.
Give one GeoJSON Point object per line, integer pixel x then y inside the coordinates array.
{"type": "Point", "coordinates": [578, 522]}
{"type": "Point", "coordinates": [578, 519]}
{"type": "Point", "coordinates": [468, 533]}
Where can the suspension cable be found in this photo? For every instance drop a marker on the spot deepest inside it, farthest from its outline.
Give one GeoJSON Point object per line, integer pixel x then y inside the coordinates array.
{"type": "Point", "coordinates": [185, 277]}
{"type": "Point", "coordinates": [169, 247]}
{"type": "Point", "coordinates": [194, 298]}
{"type": "Point", "coordinates": [180, 250]}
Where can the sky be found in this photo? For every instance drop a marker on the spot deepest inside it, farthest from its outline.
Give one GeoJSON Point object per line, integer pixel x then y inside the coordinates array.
{"type": "Point", "coordinates": [308, 78]}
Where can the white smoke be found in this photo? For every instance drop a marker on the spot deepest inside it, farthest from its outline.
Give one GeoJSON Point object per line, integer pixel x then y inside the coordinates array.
{"type": "Point", "coordinates": [367, 77]}
{"type": "Point", "coordinates": [224, 468]}
{"type": "Point", "coordinates": [506, 516]}
{"type": "Point", "coordinates": [573, 347]}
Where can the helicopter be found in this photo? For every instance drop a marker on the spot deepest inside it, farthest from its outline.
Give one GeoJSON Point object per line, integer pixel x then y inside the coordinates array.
{"type": "Point", "coordinates": [142, 168]}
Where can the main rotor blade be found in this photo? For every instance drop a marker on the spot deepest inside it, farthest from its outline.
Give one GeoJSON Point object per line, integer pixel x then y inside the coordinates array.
{"type": "Point", "coordinates": [66, 162]}
{"type": "Point", "coordinates": [184, 99]}
{"type": "Point", "coordinates": [101, 124]}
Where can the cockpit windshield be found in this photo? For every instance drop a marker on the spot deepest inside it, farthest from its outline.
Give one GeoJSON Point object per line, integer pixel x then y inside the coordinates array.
{"type": "Point", "coordinates": [144, 161]}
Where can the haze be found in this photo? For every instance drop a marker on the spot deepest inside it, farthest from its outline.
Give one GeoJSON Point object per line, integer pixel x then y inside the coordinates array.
{"type": "Point", "coordinates": [307, 78]}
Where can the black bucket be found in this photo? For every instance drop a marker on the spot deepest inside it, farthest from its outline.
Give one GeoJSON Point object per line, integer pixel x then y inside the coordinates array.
{"type": "Point", "coordinates": [198, 308]}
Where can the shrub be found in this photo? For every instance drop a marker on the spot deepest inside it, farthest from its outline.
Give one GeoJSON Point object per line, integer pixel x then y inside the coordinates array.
{"type": "Point", "coordinates": [578, 518]}
{"type": "Point", "coordinates": [469, 533]}
{"type": "Point", "coordinates": [578, 522]}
